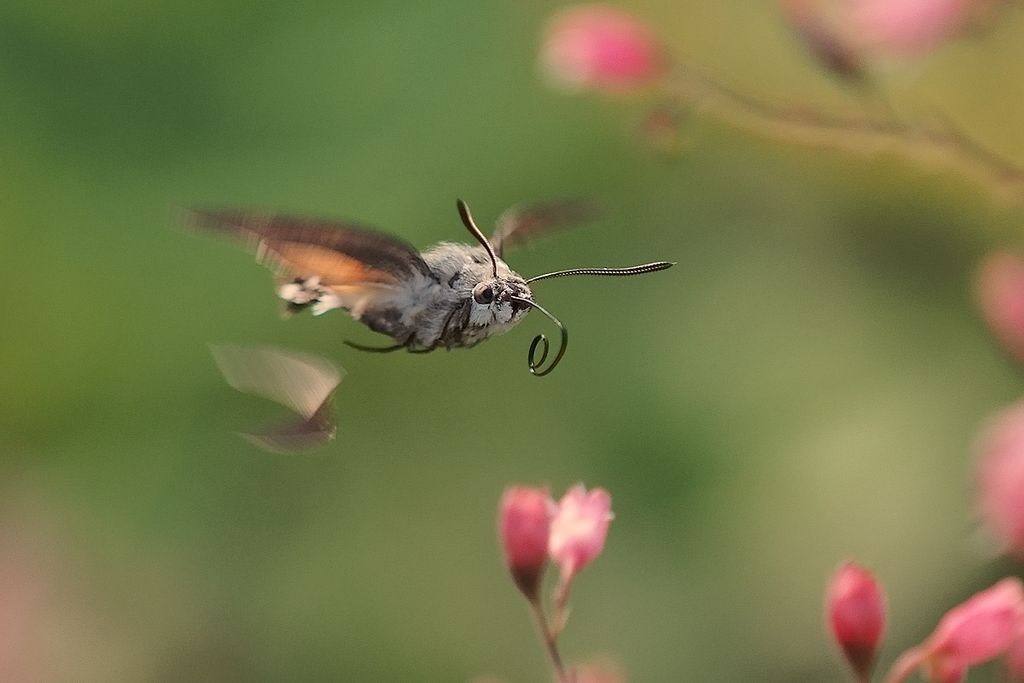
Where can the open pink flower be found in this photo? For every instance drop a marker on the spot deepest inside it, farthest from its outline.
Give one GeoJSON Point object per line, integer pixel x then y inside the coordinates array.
{"type": "Point", "coordinates": [1015, 656]}
{"type": "Point", "coordinates": [600, 47]}
{"type": "Point", "coordinates": [579, 529]}
{"type": "Point", "coordinates": [906, 27]}
{"type": "Point", "coordinates": [855, 610]}
{"type": "Point", "coordinates": [1000, 291]}
{"type": "Point", "coordinates": [524, 524]}
{"type": "Point", "coordinates": [982, 628]}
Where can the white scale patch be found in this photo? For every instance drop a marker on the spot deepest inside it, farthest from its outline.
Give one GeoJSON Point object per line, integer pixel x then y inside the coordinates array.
{"type": "Point", "coordinates": [309, 291]}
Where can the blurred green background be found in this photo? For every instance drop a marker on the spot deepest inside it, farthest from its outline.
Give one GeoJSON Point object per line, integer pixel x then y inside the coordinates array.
{"type": "Point", "coordinates": [803, 388]}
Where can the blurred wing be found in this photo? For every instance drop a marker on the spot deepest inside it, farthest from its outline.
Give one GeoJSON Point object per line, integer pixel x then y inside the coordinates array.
{"type": "Point", "coordinates": [341, 255]}
{"type": "Point", "coordinates": [295, 436]}
{"type": "Point", "coordinates": [524, 222]}
{"type": "Point", "coordinates": [302, 382]}
{"type": "Point", "coordinates": [299, 381]}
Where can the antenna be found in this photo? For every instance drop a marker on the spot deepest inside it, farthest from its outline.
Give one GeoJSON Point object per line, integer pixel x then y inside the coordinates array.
{"type": "Point", "coordinates": [467, 220]}
{"type": "Point", "coordinates": [612, 272]}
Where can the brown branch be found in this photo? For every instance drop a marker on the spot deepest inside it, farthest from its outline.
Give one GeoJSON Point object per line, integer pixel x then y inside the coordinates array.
{"type": "Point", "coordinates": [925, 145]}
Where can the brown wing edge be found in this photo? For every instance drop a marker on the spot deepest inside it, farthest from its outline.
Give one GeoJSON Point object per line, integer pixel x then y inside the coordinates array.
{"type": "Point", "coordinates": [523, 222]}
{"type": "Point", "coordinates": [264, 230]}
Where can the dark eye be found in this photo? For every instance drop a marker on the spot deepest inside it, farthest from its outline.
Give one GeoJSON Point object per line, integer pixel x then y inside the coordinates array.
{"type": "Point", "coordinates": [483, 294]}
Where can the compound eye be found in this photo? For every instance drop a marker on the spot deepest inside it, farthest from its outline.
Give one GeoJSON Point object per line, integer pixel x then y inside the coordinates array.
{"type": "Point", "coordinates": [483, 293]}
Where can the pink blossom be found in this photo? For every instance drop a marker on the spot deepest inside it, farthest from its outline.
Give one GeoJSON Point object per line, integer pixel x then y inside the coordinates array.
{"type": "Point", "coordinates": [579, 529]}
{"type": "Point", "coordinates": [982, 628]}
{"type": "Point", "coordinates": [24, 597]}
{"type": "Point", "coordinates": [1001, 479]}
{"type": "Point", "coordinates": [524, 524]}
{"type": "Point", "coordinates": [855, 610]}
{"type": "Point", "coordinates": [1001, 298]}
{"type": "Point", "coordinates": [906, 27]}
{"type": "Point", "coordinates": [600, 47]}
{"type": "Point", "coordinates": [1015, 656]}
{"type": "Point", "coordinates": [599, 671]}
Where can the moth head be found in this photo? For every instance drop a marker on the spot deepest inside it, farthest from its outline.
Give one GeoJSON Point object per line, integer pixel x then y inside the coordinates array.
{"type": "Point", "coordinates": [500, 295]}
{"type": "Point", "coordinates": [500, 301]}
{"type": "Point", "coordinates": [506, 297]}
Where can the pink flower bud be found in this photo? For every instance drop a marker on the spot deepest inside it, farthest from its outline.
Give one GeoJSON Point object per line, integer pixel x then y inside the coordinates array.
{"type": "Point", "coordinates": [855, 610]}
{"type": "Point", "coordinates": [600, 47]}
{"type": "Point", "coordinates": [907, 27]}
{"type": "Point", "coordinates": [579, 529]}
{"type": "Point", "coordinates": [524, 524]}
{"type": "Point", "coordinates": [1001, 297]}
{"type": "Point", "coordinates": [1001, 479]}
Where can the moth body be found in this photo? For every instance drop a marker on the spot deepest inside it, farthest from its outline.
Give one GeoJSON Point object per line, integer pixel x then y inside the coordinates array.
{"type": "Point", "coordinates": [473, 303]}
{"type": "Point", "coordinates": [450, 296]}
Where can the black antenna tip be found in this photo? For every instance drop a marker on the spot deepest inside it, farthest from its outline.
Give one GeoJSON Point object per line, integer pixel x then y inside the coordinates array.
{"type": "Point", "coordinates": [465, 215]}
{"type": "Point", "coordinates": [467, 220]}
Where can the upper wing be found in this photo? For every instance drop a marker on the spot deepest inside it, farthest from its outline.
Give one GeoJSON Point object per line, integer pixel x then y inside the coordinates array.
{"type": "Point", "coordinates": [339, 254]}
{"type": "Point", "coordinates": [523, 222]}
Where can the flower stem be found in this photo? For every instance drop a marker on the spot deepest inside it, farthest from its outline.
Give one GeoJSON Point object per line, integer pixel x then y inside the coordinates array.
{"type": "Point", "coordinates": [560, 604]}
{"type": "Point", "coordinates": [550, 642]}
{"type": "Point", "coordinates": [937, 141]}
{"type": "Point", "coordinates": [904, 666]}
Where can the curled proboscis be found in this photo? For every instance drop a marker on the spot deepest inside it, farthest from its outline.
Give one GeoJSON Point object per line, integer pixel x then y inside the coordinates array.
{"type": "Point", "coordinates": [541, 342]}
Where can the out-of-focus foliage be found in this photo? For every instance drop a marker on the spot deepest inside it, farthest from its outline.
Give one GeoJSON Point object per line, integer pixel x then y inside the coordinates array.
{"type": "Point", "coordinates": [802, 388]}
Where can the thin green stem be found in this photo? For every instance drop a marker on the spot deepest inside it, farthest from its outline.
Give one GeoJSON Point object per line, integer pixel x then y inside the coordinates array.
{"type": "Point", "coordinates": [550, 640]}
{"type": "Point", "coordinates": [560, 604]}
{"type": "Point", "coordinates": [904, 666]}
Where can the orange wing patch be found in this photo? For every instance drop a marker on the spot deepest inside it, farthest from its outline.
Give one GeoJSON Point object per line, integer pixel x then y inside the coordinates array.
{"type": "Point", "coordinates": [332, 267]}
